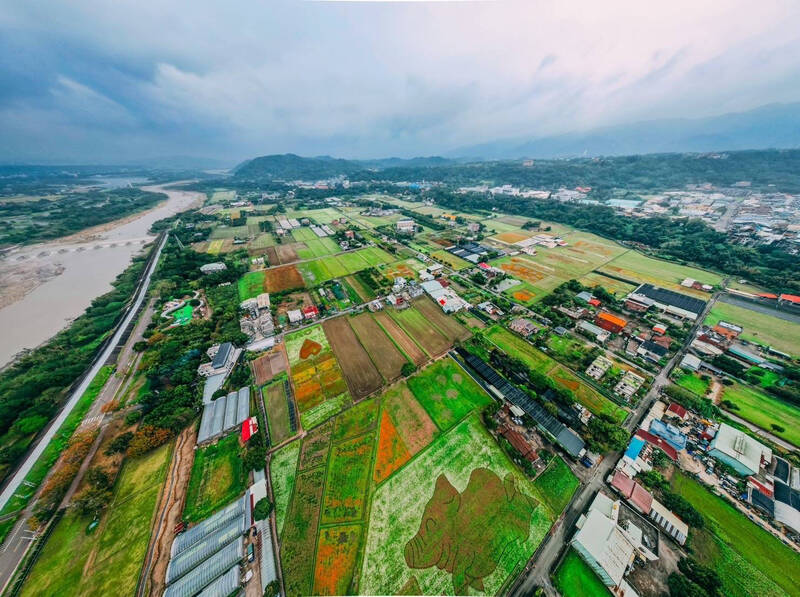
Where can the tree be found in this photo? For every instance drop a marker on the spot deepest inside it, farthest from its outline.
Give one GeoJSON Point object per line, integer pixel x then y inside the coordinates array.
{"type": "Point", "coordinates": [407, 369]}
{"type": "Point", "coordinates": [680, 586]}
{"type": "Point", "coordinates": [705, 577]}
{"type": "Point", "coordinates": [99, 478]}
{"type": "Point", "coordinates": [92, 500]}
{"type": "Point", "coordinates": [146, 438]}
{"type": "Point", "coordinates": [119, 444]}
{"type": "Point", "coordinates": [254, 457]}
{"type": "Point", "coordinates": [262, 509]}
{"type": "Point", "coordinates": [273, 589]}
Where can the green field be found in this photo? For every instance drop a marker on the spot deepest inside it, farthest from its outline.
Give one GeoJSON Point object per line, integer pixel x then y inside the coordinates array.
{"type": "Point", "coordinates": [757, 327]}
{"type": "Point", "coordinates": [538, 361]}
{"type": "Point", "coordinates": [398, 505]}
{"type": "Point", "coordinates": [694, 383]}
{"type": "Point", "coordinates": [251, 285]}
{"type": "Point", "coordinates": [749, 560]}
{"type": "Point", "coordinates": [617, 288]}
{"type": "Point", "coordinates": [557, 484]}
{"type": "Point", "coordinates": [107, 561]}
{"type": "Point", "coordinates": [224, 232]}
{"type": "Point", "coordinates": [218, 477]}
{"type": "Point", "coordinates": [574, 578]}
{"type": "Point", "coordinates": [323, 411]}
{"type": "Point", "coordinates": [338, 266]}
{"type": "Point", "coordinates": [277, 412]}
{"type": "Point", "coordinates": [282, 469]}
{"type": "Point", "coordinates": [447, 393]}
{"type": "Point", "coordinates": [637, 267]}
{"type": "Point", "coordinates": [183, 315]}
{"type": "Point", "coordinates": [763, 410]}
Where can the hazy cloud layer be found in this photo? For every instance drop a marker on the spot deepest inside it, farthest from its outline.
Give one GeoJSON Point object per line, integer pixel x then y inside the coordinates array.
{"type": "Point", "coordinates": [92, 80]}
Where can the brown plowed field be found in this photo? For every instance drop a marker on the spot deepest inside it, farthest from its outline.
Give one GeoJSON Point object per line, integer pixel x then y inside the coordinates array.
{"type": "Point", "coordinates": [403, 340]}
{"type": "Point", "coordinates": [361, 375]}
{"type": "Point", "coordinates": [413, 424]}
{"type": "Point", "coordinates": [387, 358]}
{"type": "Point", "coordinates": [282, 278]}
{"type": "Point", "coordinates": [268, 366]}
{"type": "Point", "coordinates": [286, 253]}
{"type": "Point", "coordinates": [446, 324]}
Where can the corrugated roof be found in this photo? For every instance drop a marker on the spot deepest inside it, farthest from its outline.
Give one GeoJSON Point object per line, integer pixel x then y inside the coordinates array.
{"type": "Point", "coordinates": [201, 576]}
{"type": "Point", "coordinates": [611, 318]}
{"type": "Point", "coordinates": [224, 585]}
{"type": "Point", "coordinates": [671, 298]}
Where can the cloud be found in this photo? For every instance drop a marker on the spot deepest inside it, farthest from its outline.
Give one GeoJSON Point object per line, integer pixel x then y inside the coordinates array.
{"type": "Point", "coordinates": [370, 79]}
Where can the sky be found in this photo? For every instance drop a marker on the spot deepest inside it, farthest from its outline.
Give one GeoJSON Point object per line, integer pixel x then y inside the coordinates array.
{"type": "Point", "coordinates": [93, 81]}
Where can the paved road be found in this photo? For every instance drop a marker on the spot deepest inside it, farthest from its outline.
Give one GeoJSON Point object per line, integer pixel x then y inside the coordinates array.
{"type": "Point", "coordinates": [538, 575]}
{"type": "Point", "coordinates": [18, 540]}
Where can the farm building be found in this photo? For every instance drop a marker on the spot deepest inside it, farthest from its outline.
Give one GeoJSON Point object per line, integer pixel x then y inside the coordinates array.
{"type": "Point", "coordinates": [223, 358]}
{"type": "Point", "coordinates": [446, 298]}
{"type": "Point", "coordinates": [659, 443]}
{"type": "Point", "coordinates": [211, 268]}
{"type": "Point", "coordinates": [295, 315]}
{"type": "Point", "coordinates": [406, 226]}
{"type": "Point", "coordinates": [202, 558]}
{"type": "Point", "coordinates": [524, 327]}
{"type": "Point", "coordinates": [262, 300]}
{"type": "Point", "coordinates": [610, 322]}
{"type": "Point", "coordinates": [599, 334]}
{"type": "Point", "coordinates": [607, 547]}
{"type": "Point", "coordinates": [738, 450]}
{"type": "Point", "coordinates": [651, 351]}
{"type": "Point", "coordinates": [690, 362]}
{"type": "Point", "coordinates": [223, 414]}
{"type": "Point", "coordinates": [668, 301]}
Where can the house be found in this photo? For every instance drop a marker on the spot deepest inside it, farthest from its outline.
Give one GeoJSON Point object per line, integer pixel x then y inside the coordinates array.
{"type": "Point", "coordinates": [310, 312]}
{"type": "Point", "coordinates": [598, 367]}
{"type": "Point", "coordinates": [223, 357]}
{"type": "Point", "coordinates": [676, 410]}
{"type": "Point", "coordinates": [738, 450]}
{"type": "Point", "coordinates": [490, 308]}
{"type": "Point", "coordinates": [658, 442]}
{"type": "Point", "coordinates": [638, 304]}
{"type": "Point", "coordinates": [651, 351]}
{"type": "Point", "coordinates": [211, 268]}
{"type": "Point", "coordinates": [627, 386]}
{"type": "Point", "coordinates": [520, 444]}
{"type": "Point", "coordinates": [691, 362]}
{"type": "Point", "coordinates": [594, 302]}
{"type": "Point", "coordinates": [295, 315]}
{"type": "Point", "coordinates": [600, 335]}
{"type": "Point", "coordinates": [584, 296]}
{"type": "Point", "coordinates": [560, 330]}
{"type": "Point", "coordinates": [575, 313]}
{"type": "Point", "coordinates": [610, 322]}
{"type": "Point", "coordinates": [262, 301]}
{"type": "Point", "coordinates": [634, 493]}
{"type": "Point", "coordinates": [668, 301]}
{"type": "Point", "coordinates": [660, 329]}
{"type": "Point", "coordinates": [524, 327]}
{"type": "Point", "coordinates": [406, 226]}
{"type": "Point", "coordinates": [669, 433]}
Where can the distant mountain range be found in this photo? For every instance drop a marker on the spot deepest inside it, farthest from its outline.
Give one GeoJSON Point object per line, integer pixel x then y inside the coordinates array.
{"type": "Point", "coordinates": [771, 126]}
{"type": "Point", "coordinates": [291, 166]}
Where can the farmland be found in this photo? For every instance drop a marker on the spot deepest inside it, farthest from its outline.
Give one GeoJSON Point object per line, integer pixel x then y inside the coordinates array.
{"type": "Point", "coordinates": [278, 279]}
{"type": "Point", "coordinates": [749, 560]}
{"type": "Point", "coordinates": [538, 361]}
{"type": "Point", "coordinates": [413, 425]}
{"type": "Point", "coordinates": [361, 375]}
{"type": "Point", "coordinates": [758, 327]}
{"type": "Point", "coordinates": [337, 553]}
{"type": "Point", "coordinates": [269, 366]}
{"type": "Point", "coordinates": [315, 373]}
{"type": "Point", "coordinates": [349, 474]}
{"type": "Point", "coordinates": [556, 484]}
{"type": "Point", "coordinates": [574, 577]}
{"type": "Point", "coordinates": [251, 285]}
{"type": "Point", "coordinates": [277, 412]}
{"type": "Point", "coordinates": [403, 341]}
{"type": "Point", "coordinates": [398, 506]}
{"type": "Point", "coordinates": [637, 267]}
{"type": "Point", "coordinates": [426, 336]}
{"type": "Point", "coordinates": [107, 561]}
{"type": "Point", "coordinates": [343, 264]}
{"type": "Point", "coordinates": [387, 357]}
{"type": "Point", "coordinates": [447, 393]}
{"type": "Point", "coordinates": [763, 410]}
{"type": "Point", "coordinates": [283, 468]}
{"type": "Point", "coordinates": [448, 326]}
{"type": "Point", "coordinates": [218, 477]}
{"type": "Point", "coordinates": [693, 383]}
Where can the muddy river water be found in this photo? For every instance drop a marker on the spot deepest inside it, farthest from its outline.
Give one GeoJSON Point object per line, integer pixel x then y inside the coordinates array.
{"type": "Point", "coordinates": [45, 286]}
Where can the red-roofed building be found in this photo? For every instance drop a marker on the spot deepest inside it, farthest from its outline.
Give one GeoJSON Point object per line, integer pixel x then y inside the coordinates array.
{"type": "Point", "coordinates": [484, 265]}
{"type": "Point", "coordinates": [519, 443]}
{"type": "Point", "coordinates": [767, 490]}
{"type": "Point", "coordinates": [660, 328]}
{"type": "Point", "coordinates": [310, 312]}
{"type": "Point", "coordinates": [791, 298]}
{"type": "Point", "coordinates": [641, 499]}
{"type": "Point", "coordinates": [656, 441]}
{"type": "Point", "coordinates": [594, 302]}
{"type": "Point", "coordinates": [623, 484]}
{"type": "Point", "coordinates": [249, 429]}
{"type": "Point", "coordinates": [768, 295]}
{"type": "Point", "coordinates": [610, 322]}
{"type": "Point", "coordinates": [676, 410]}
{"type": "Point", "coordinates": [664, 341]}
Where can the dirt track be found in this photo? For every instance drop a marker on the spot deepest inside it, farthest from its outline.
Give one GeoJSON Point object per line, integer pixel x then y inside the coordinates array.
{"type": "Point", "coordinates": [170, 507]}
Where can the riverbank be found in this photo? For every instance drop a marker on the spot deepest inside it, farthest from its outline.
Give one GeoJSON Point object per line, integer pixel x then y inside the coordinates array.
{"type": "Point", "coordinates": [44, 287]}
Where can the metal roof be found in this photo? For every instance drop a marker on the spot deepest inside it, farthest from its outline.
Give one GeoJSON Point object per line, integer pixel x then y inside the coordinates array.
{"type": "Point", "coordinates": [243, 408]}
{"type": "Point", "coordinates": [202, 550]}
{"type": "Point", "coordinates": [223, 353]}
{"type": "Point", "coordinates": [201, 576]}
{"type": "Point", "coordinates": [238, 509]}
{"type": "Point", "coordinates": [231, 406]}
{"type": "Point", "coordinates": [671, 298]}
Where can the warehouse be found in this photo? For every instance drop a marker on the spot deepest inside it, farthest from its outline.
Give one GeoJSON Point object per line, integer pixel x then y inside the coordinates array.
{"type": "Point", "coordinates": [738, 450]}
{"type": "Point", "coordinates": [223, 414]}
{"type": "Point", "coordinates": [668, 301]}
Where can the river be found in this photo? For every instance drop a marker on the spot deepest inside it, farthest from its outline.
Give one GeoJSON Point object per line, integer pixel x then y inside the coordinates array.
{"type": "Point", "coordinates": [45, 286]}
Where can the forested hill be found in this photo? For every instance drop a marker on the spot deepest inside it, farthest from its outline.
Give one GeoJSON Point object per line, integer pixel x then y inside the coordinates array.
{"type": "Point", "coordinates": [289, 166]}
{"type": "Point", "coordinates": [780, 168]}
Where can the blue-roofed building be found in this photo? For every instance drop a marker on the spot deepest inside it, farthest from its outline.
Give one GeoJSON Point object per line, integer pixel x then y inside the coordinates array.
{"type": "Point", "coordinates": [635, 448]}
{"type": "Point", "coordinates": [669, 433]}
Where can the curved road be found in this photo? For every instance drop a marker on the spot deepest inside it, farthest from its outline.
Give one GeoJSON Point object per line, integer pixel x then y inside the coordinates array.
{"type": "Point", "coordinates": [99, 361]}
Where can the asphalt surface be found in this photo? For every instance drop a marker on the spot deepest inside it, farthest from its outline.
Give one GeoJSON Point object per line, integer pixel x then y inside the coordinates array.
{"type": "Point", "coordinates": [537, 573]}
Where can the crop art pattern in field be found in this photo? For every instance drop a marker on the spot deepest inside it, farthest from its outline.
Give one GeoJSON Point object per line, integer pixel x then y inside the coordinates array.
{"type": "Point", "coordinates": [337, 551]}
{"type": "Point", "coordinates": [392, 452]}
{"type": "Point", "coordinates": [466, 533]}
{"type": "Point", "coordinates": [348, 478]}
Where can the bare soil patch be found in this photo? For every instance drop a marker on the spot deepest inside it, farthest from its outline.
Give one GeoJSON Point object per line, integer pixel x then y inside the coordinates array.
{"type": "Point", "coordinates": [403, 340]}
{"type": "Point", "coordinates": [282, 278]}
{"type": "Point", "coordinates": [386, 356]}
{"type": "Point", "coordinates": [360, 374]}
